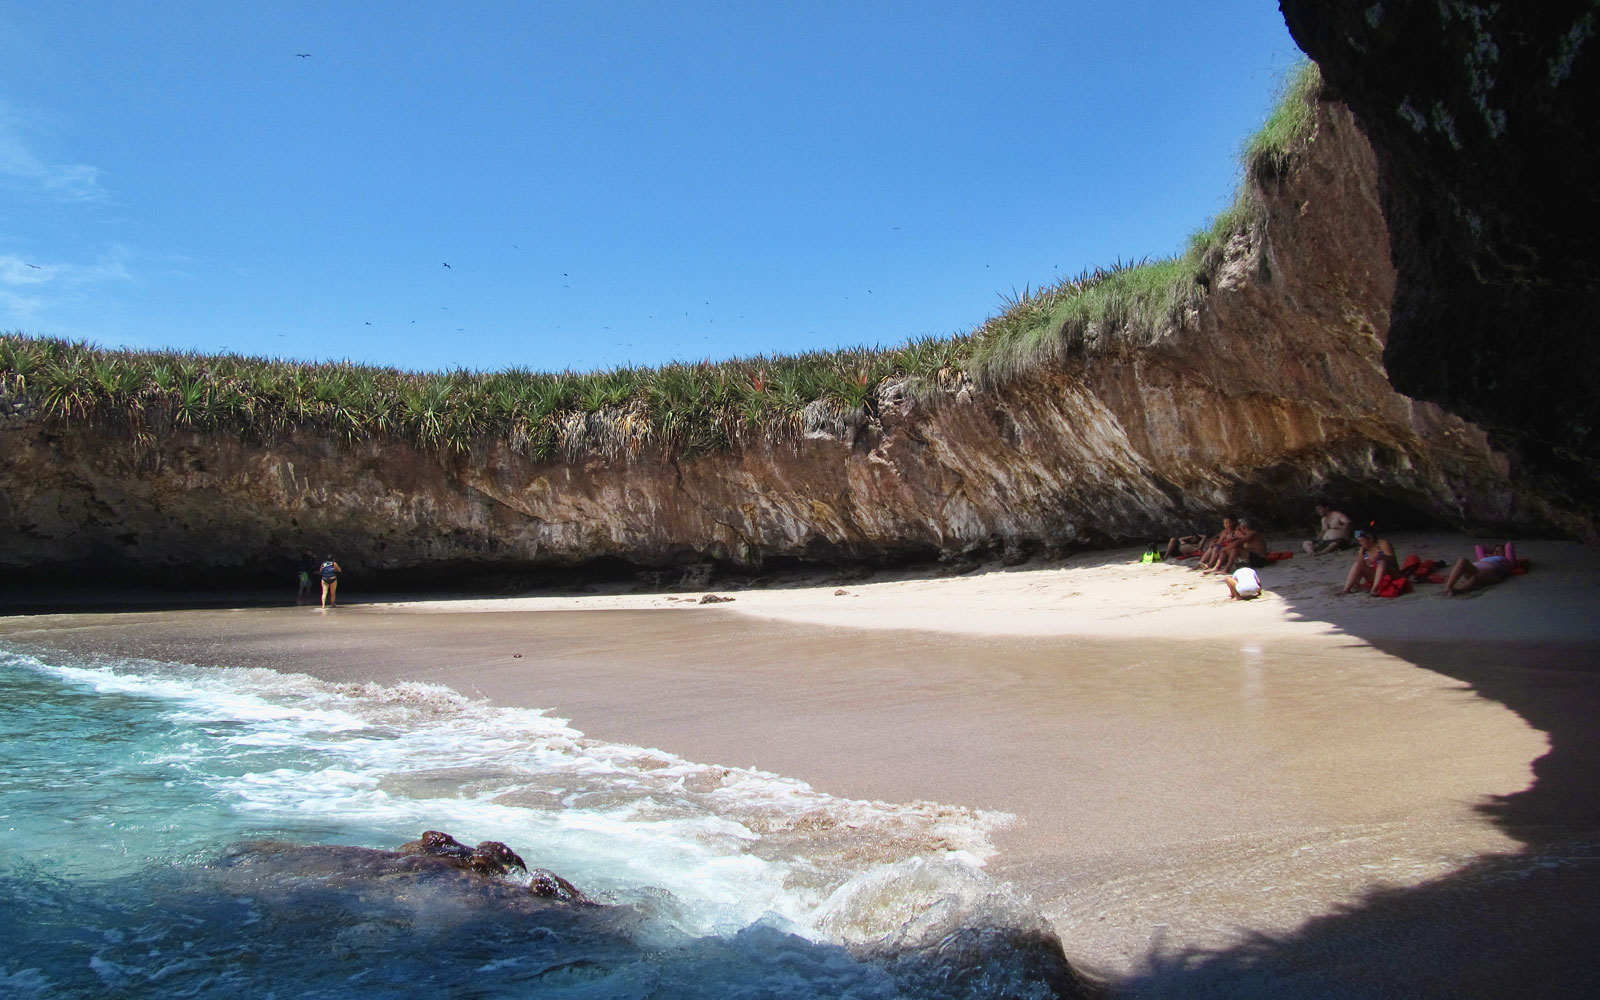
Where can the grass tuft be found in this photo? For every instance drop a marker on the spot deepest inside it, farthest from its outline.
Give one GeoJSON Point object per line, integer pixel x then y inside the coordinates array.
{"type": "Point", "coordinates": [1289, 128]}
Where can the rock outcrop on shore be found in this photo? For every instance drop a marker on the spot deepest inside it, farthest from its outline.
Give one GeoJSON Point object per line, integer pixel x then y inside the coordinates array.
{"type": "Point", "coordinates": [435, 858]}
{"type": "Point", "coordinates": [1269, 391]}
{"type": "Point", "coordinates": [1485, 119]}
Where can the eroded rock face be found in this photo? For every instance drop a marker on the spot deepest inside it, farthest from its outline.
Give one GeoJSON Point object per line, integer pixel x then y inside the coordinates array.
{"type": "Point", "coordinates": [1485, 119]}
{"type": "Point", "coordinates": [1269, 393]}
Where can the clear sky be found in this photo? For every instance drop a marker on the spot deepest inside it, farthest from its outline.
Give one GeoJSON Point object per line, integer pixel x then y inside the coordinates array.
{"type": "Point", "coordinates": [611, 182]}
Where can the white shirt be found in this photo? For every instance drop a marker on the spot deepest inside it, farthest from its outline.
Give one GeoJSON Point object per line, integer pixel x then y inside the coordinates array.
{"type": "Point", "coordinates": [1246, 580]}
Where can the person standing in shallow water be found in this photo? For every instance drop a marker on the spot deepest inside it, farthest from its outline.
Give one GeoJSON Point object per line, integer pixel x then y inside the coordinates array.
{"type": "Point", "coordinates": [330, 582]}
{"type": "Point", "coordinates": [308, 566]}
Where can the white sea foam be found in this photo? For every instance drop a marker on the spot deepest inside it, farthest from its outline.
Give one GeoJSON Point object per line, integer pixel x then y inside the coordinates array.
{"type": "Point", "coordinates": [735, 847]}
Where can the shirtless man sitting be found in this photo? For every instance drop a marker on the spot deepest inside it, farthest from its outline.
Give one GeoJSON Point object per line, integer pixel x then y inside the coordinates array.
{"type": "Point", "coordinates": [1334, 533]}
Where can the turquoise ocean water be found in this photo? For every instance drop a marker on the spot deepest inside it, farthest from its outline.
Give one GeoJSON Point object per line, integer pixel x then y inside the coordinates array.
{"type": "Point", "coordinates": [177, 831]}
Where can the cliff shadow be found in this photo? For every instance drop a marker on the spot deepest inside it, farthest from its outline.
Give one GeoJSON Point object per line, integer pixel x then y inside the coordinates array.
{"type": "Point", "coordinates": [1516, 924]}
{"type": "Point", "coordinates": [46, 600]}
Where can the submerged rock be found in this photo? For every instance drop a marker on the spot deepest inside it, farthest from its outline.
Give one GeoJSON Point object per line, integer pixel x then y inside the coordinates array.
{"type": "Point", "coordinates": [490, 857]}
{"type": "Point", "coordinates": [435, 857]}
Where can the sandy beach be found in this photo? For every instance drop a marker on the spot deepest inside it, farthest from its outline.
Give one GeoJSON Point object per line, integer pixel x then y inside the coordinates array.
{"type": "Point", "coordinates": [1305, 794]}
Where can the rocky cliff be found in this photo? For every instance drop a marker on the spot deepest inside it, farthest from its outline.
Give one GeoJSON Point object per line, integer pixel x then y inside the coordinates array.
{"type": "Point", "coordinates": [1266, 393]}
{"type": "Point", "coordinates": [1485, 119]}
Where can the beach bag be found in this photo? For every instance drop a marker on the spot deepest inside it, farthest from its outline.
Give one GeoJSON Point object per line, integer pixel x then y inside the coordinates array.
{"type": "Point", "coordinates": [1421, 570]}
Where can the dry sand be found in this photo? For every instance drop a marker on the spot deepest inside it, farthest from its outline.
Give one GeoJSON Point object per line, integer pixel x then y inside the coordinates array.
{"type": "Point", "coordinates": [1306, 794]}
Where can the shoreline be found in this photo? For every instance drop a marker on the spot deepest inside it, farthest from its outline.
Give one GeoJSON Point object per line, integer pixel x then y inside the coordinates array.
{"type": "Point", "coordinates": [1101, 594]}
{"type": "Point", "coordinates": [1108, 594]}
{"type": "Point", "coordinates": [1186, 772]}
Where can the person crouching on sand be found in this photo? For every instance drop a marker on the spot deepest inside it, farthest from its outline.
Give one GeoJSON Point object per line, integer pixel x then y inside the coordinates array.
{"type": "Point", "coordinates": [1244, 584]}
{"type": "Point", "coordinates": [330, 582]}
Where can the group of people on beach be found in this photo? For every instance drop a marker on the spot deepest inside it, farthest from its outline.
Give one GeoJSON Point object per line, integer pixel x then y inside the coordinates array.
{"type": "Point", "coordinates": [328, 572]}
{"type": "Point", "coordinates": [1376, 564]}
{"type": "Point", "coordinates": [1238, 551]}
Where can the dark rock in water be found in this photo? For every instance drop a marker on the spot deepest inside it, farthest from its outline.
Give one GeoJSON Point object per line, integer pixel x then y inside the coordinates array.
{"type": "Point", "coordinates": [435, 856]}
{"type": "Point", "coordinates": [997, 962]}
{"type": "Point", "coordinates": [328, 921]}
{"type": "Point", "coordinates": [549, 885]}
{"type": "Point", "coordinates": [1485, 120]}
{"type": "Point", "coordinates": [495, 857]}
{"type": "Point", "coordinates": [490, 857]}
{"type": "Point", "coordinates": [437, 844]}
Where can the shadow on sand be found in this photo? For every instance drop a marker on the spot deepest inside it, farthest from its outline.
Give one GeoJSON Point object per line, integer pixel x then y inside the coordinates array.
{"type": "Point", "coordinates": [1519, 924]}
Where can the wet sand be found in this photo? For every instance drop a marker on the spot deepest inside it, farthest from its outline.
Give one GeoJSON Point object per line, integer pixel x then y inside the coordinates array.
{"type": "Point", "coordinates": [1210, 815]}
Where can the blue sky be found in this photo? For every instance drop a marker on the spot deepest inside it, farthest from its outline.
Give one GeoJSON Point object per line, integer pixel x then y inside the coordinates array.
{"type": "Point", "coordinates": [609, 183]}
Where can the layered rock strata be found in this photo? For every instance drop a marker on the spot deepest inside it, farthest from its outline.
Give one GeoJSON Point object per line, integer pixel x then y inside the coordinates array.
{"type": "Point", "coordinates": [1267, 393]}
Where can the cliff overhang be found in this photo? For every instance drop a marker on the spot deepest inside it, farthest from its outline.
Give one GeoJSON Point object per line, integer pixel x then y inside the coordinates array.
{"type": "Point", "coordinates": [1485, 121]}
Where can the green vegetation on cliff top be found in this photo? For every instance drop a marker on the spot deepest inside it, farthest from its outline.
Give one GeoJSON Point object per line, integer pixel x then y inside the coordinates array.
{"type": "Point", "coordinates": [687, 407]}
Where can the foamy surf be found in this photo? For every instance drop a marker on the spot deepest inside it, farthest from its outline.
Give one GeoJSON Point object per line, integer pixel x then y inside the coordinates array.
{"type": "Point", "coordinates": [694, 853]}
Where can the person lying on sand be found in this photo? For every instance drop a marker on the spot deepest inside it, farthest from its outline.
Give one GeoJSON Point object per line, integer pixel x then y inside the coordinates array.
{"type": "Point", "coordinates": [1184, 545]}
{"type": "Point", "coordinates": [1374, 560]}
{"type": "Point", "coordinates": [1244, 584]}
{"type": "Point", "coordinates": [1249, 548]}
{"type": "Point", "coordinates": [1491, 566]}
{"type": "Point", "coordinates": [1334, 533]}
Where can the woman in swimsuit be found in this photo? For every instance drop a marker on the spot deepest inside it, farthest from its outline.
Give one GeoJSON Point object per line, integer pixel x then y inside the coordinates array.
{"type": "Point", "coordinates": [1212, 552]}
{"type": "Point", "coordinates": [330, 582]}
{"type": "Point", "coordinates": [1374, 561]}
{"type": "Point", "coordinates": [1491, 566]}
